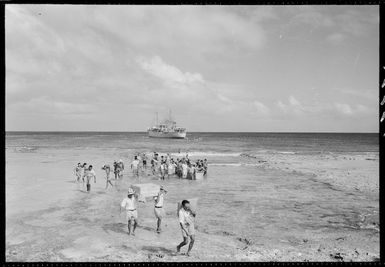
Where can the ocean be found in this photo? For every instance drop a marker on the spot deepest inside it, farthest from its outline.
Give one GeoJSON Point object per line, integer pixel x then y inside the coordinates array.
{"type": "Point", "coordinates": [239, 197]}
{"type": "Point", "coordinates": [197, 144]}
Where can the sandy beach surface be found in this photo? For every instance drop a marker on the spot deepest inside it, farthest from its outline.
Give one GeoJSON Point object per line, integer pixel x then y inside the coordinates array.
{"type": "Point", "coordinates": [284, 207]}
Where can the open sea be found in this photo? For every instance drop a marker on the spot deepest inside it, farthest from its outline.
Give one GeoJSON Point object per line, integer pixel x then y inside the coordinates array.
{"type": "Point", "coordinates": [212, 145]}
{"type": "Point", "coordinates": [236, 196]}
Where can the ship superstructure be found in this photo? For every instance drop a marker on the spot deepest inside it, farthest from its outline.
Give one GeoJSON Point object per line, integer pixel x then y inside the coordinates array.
{"type": "Point", "coordinates": [166, 129]}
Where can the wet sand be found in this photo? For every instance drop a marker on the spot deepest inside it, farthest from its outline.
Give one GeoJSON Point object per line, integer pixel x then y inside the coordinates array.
{"type": "Point", "coordinates": [300, 209]}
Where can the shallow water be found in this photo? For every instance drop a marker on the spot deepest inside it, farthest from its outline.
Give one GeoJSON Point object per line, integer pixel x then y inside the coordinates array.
{"type": "Point", "coordinates": [238, 198]}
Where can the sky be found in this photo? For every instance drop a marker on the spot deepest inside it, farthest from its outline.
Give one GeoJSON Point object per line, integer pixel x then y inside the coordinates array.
{"type": "Point", "coordinates": [218, 68]}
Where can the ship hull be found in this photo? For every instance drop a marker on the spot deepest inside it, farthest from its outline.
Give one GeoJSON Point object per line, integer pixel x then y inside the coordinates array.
{"type": "Point", "coordinates": [174, 135]}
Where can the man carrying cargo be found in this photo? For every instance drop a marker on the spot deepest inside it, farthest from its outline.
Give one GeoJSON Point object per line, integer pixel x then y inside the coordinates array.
{"type": "Point", "coordinates": [129, 204]}
{"type": "Point", "coordinates": [158, 209]}
{"type": "Point", "coordinates": [107, 169]}
{"type": "Point", "coordinates": [186, 221]}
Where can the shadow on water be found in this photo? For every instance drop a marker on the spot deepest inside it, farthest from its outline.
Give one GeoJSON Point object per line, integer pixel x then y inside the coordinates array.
{"type": "Point", "coordinates": [155, 249]}
{"type": "Point", "coordinates": [146, 228]}
{"type": "Point", "coordinates": [82, 191]}
{"type": "Point", "coordinates": [119, 228]}
{"type": "Point", "coordinates": [128, 248]}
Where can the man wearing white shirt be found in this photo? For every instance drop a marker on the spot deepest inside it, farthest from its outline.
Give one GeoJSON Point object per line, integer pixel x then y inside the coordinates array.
{"type": "Point", "coordinates": [184, 169]}
{"type": "Point", "coordinates": [129, 204]}
{"type": "Point", "coordinates": [89, 174]}
{"type": "Point", "coordinates": [135, 166]}
{"type": "Point", "coordinates": [186, 221]}
{"type": "Point", "coordinates": [158, 209]}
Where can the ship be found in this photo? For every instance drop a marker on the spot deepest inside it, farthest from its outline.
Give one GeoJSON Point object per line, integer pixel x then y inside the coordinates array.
{"type": "Point", "coordinates": [166, 129]}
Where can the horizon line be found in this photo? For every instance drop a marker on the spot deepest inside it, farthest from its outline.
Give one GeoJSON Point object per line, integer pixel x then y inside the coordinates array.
{"type": "Point", "coordinates": [44, 131]}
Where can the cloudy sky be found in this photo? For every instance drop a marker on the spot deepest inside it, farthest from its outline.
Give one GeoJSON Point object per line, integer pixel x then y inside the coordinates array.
{"type": "Point", "coordinates": [219, 68]}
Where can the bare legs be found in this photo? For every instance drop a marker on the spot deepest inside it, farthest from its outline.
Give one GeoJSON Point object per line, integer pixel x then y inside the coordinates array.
{"type": "Point", "coordinates": [158, 225]}
{"type": "Point", "coordinates": [190, 246]}
{"type": "Point", "coordinates": [134, 227]}
{"type": "Point", "coordinates": [185, 242]}
{"type": "Point", "coordinates": [109, 182]}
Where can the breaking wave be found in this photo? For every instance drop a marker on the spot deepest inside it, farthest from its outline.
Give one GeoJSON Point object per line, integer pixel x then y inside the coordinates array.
{"type": "Point", "coordinates": [205, 154]}
{"type": "Point", "coordinates": [236, 164]}
{"type": "Point", "coordinates": [25, 149]}
{"type": "Point", "coordinates": [254, 154]}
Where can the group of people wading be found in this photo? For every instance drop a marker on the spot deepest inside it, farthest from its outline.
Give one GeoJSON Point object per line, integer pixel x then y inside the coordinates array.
{"type": "Point", "coordinates": [161, 166]}
{"type": "Point", "coordinates": [183, 168]}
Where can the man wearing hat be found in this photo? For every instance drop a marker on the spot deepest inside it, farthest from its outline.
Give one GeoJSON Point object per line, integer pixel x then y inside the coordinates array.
{"type": "Point", "coordinates": [158, 209]}
{"type": "Point", "coordinates": [129, 204]}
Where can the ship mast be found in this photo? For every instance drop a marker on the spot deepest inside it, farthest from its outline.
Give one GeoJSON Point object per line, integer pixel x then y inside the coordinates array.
{"type": "Point", "coordinates": [157, 119]}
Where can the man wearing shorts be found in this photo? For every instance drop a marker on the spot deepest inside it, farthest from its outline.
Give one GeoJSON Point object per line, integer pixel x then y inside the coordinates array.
{"type": "Point", "coordinates": [186, 221]}
{"type": "Point", "coordinates": [158, 209]}
{"type": "Point", "coordinates": [135, 166]}
{"type": "Point", "coordinates": [129, 204]}
{"type": "Point", "coordinates": [78, 172]}
{"type": "Point", "coordinates": [89, 175]}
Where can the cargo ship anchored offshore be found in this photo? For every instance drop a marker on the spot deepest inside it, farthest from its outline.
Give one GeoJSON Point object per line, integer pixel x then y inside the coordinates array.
{"type": "Point", "coordinates": [166, 129]}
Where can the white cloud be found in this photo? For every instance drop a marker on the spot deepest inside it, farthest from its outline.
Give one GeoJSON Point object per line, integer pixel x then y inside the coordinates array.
{"type": "Point", "coordinates": [282, 106]}
{"type": "Point", "coordinates": [294, 102]}
{"type": "Point", "coordinates": [362, 109]}
{"type": "Point", "coordinates": [261, 108]}
{"type": "Point", "coordinates": [350, 110]}
{"type": "Point", "coordinates": [46, 105]}
{"type": "Point", "coordinates": [293, 107]}
{"type": "Point", "coordinates": [157, 67]}
{"type": "Point", "coordinates": [224, 99]}
{"type": "Point", "coordinates": [344, 108]}
{"type": "Point", "coordinates": [191, 30]}
{"type": "Point", "coordinates": [335, 38]}
{"type": "Point", "coordinates": [211, 62]}
{"type": "Point", "coordinates": [314, 18]}
{"type": "Point", "coordinates": [357, 21]}
{"type": "Point", "coordinates": [367, 94]}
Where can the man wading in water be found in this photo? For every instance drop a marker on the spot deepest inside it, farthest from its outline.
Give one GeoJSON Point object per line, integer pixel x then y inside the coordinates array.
{"type": "Point", "coordinates": [129, 204]}
{"type": "Point", "coordinates": [121, 168]}
{"type": "Point", "coordinates": [78, 172]}
{"type": "Point", "coordinates": [158, 209]}
{"type": "Point", "coordinates": [107, 169]}
{"type": "Point", "coordinates": [85, 169]}
{"type": "Point", "coordinates": [89, 174]}
{"type": "Point", "coordinates": [135, 167]}
{"type": "Point", "coordinates": [186, 220]}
